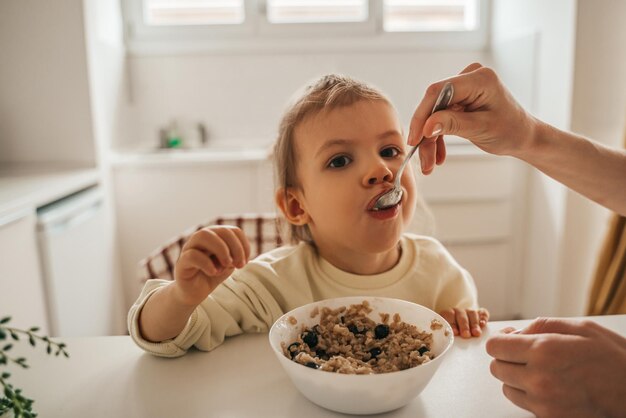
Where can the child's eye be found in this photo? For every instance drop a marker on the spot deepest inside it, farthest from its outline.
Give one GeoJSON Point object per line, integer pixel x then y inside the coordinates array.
{"type": "Point", "coordinates": [389, 152]}
{"type": "Point", "coordinates": [339, 161]}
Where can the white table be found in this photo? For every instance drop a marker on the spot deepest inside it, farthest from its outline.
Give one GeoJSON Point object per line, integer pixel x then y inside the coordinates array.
{"type": "Point", "coordinates": [111, 377]}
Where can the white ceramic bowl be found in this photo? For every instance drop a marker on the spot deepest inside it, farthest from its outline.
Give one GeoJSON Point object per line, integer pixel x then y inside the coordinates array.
{"type": "Point", "coordinates": [361, 394]}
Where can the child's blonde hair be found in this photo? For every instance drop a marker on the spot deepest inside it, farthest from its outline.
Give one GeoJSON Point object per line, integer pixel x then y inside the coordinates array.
{"type": "Point", "coordinates": [327, 93]}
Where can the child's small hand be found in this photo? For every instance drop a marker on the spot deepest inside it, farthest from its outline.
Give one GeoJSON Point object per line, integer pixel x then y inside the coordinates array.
{"type": "Point", "coordinates": [466, 322]}
{"type": "Point", "coordinates": [207, 259]}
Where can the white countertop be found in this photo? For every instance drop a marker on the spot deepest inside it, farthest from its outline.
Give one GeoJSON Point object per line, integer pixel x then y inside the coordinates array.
{"type": "Point", "coordinates": [26, 187]}
{"type": "Point", "coordinates": [111, 377]}
{"type": "Point", "coordinates": [227, 153]}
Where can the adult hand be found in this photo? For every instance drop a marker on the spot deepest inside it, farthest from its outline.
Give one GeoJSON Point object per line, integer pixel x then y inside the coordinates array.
{"type": "Point", "coordinates": [482, 110]}
{"type": "Point", "coordinates": [562, 368]}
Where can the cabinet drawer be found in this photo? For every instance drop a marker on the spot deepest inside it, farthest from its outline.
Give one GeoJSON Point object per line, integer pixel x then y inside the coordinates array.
{"type": "Point", "coordinates": [21, 286]}
{"type": "Point", "coordinates": [490, 266]}
{"type": "Point", "coordinates": [472, 221]}
{"type": "Point", "coordinates": [468, 177]}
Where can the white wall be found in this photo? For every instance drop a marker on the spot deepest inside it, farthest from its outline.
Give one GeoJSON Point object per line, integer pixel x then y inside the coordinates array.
{"type": "Point", "coordinates": [577, 82]}
{"type": "Point", "coordinates": [543, 32]}
{"type": "Point", "coordinates": [44, 107]}
{"type": "Point", "coordinates": [241, 96]}
{"type": "Point", "coordinates": [598, 112]}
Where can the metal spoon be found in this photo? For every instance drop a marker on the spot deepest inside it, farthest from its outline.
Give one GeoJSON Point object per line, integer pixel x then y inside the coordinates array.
{"type": "Point", "coordinates": [393, 196]}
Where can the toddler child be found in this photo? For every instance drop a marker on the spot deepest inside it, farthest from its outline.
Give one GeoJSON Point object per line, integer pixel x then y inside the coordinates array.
{"type": "Point", "coordinates": [338, 149]}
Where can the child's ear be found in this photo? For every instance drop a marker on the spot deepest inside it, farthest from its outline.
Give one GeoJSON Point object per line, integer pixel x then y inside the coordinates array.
{"type": "Point", "coordinates": [290, 203]}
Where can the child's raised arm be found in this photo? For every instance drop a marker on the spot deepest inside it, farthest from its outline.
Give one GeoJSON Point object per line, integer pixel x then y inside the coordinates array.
{"type": "Point", "coordinates": [207, 259]}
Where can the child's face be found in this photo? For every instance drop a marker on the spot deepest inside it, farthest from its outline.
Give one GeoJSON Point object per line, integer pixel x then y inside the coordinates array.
{"type": "Point", "coordinates": [345, 159]}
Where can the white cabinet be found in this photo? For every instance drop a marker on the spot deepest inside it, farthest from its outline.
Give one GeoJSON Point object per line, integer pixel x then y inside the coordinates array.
{"type": "Point", "coordinates": [21, 286]}
{"type": "Point", "coordinates": [471, 197]}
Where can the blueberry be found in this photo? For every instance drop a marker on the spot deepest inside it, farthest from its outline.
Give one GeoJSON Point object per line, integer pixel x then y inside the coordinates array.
{"type": "Point", "coordinates": [423, 349]}
{"type": "Point", "coordinates": [310, 339]}
{"type": "Point", "coordinates": [353, 328]}
{"type": "Point", "coordinates": [374, 352]}
{"type": "Point", "coordinates": [381, 331]}
{"type": "Point", "coordinates": [294, 349]}
{"type": "Point", "coordinates": [322, 354]}
{"type": "Point", "coordinates": [312, 365]}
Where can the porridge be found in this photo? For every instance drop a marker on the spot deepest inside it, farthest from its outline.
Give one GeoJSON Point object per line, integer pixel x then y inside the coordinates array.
{"type": "Point", "coordinates": [347, 341]}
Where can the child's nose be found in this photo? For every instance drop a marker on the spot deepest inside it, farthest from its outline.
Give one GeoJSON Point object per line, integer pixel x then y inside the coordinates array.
{"type": "Point", "coordinates": [379, 174]}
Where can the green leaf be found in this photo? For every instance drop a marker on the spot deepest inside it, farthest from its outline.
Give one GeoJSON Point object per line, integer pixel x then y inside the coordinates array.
{"type": "Point", "coordinates": [3, 334]}
{"type": "Point", "coordinates": [14, 336]}
{"type": "Point", "coordinates": [5, 320]}
{"type": "Point", "coordinates": [31, 340]}
{"type": "Point", "coordinates": [7, 347]}
{"type": "Point", "coordinates": [34, 329]}
{"type": "Point", "coordinates": [48, 349]}
{"type": "Point", "coordinates": [6, 375]}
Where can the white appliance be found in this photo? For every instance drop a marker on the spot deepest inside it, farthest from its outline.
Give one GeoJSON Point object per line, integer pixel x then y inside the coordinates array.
{"type": "Point", "coordinates": [76, 265]}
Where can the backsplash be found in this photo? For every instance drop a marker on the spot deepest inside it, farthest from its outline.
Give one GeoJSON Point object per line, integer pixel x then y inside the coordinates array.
{"type": "Point", "coordinates": [240, 98]}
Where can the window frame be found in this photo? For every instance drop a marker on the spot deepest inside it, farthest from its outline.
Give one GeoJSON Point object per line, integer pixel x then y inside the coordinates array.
{"type": "Point", "coordinates": [257, 35]}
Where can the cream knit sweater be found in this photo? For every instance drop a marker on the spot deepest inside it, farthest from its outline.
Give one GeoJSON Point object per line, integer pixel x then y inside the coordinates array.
{"type": "Point", "coordinates": [287, 277]}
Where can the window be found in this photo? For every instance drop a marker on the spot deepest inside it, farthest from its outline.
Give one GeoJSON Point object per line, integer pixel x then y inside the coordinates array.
{"type": "Point", "coordinates": [316, 11]}
{"type": "Point", "coordinates": [193, 12]}
{"type": "Point", "coordinates": [183, 25]}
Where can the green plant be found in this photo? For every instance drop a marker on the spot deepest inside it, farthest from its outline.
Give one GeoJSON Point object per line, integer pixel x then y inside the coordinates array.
{"type": "Point", "coordinates": [13, 399]}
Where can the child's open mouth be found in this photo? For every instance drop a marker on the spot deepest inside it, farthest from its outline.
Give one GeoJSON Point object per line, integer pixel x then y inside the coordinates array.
{"type": "Point", "coordinates": [371, 206]}
{"type": "Point", "coordinates": [385, 213]}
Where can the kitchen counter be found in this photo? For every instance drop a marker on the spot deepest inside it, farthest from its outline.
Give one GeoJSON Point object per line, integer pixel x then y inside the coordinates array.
{"type": "Point", "coordinates": [225, 153]}
{"type": "Point", "coordinates": [111, 377]}
{"type": "Point", "coordinates": [26, 187]}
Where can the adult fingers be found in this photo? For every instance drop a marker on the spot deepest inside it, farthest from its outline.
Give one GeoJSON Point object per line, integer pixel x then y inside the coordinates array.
{"type": "Point", "coordinates": [431, 152]}
{"type": "Point", "coordinates": [513, 348]}
{"type": "Point", "coordinates": [581, 327]}
{"type": "Point", "coordinates": [511, 374]}
{"type": "Point", "coordinates": [462, 322]}
{"type": "Point", "coordinates": [559, 326]}
{"type": "Point", "coordinates": [473, 66]}
{"type": "Point", "coordinates": [517, 396]}
{"type": "Point", "coordinates": [468, 87]}
{"type": "Point", "coordinates": [428, 156]}
{"type": "Point", "coordinates": [441, 150]}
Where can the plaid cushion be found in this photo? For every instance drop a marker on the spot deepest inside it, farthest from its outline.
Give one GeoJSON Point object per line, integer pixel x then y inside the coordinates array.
{"type": "Point", "coordinates": [262, 231]}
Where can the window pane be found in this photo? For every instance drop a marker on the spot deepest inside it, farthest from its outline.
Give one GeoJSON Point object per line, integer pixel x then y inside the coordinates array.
{"type": "Point", "coordinates": [193, 12]}
{"type": "Point", "coordinates": [429, 15]}
{"type": "Point", "coordinates": [316, 11]}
